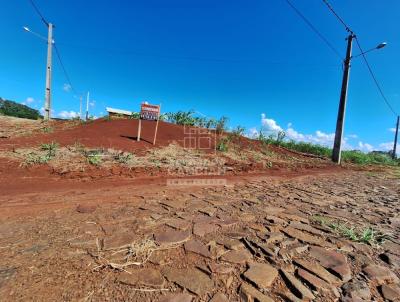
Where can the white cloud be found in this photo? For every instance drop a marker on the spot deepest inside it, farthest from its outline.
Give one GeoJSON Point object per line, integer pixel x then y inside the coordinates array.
{"type": "Point", "coordinates": [365, 147]}
{"type": "Point", "coordinates": [392, 130]}
{"type": "Point", "coordinates": [352, 136]}
{"type": "Point", "coordinates": [68, 114]}
{"type": "Point", "coordinates": [67, 87]}
{"type": "Point", "coordinates": [269, 124]}
{"type": "Point", "coordinates": [29, 100]}
{"type": "Point", "coordinates": [252, 132]}
{"type": "Point", "coordinates": [92, 103]}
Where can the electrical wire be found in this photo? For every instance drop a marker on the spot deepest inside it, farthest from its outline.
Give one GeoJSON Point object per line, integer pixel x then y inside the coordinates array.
{"type": "Point", "coordinates": [64, 70]}
{"type": "Point", "coordinates": [322, 37]}
{"type": "Point", "coordinates": [378, 86]}
{"type": "Point", "coordinates": [38, 12]}
{"type": "Point", "coordinates": [337, 16]}
{"type": "Point", "coordinates": [375, 79]}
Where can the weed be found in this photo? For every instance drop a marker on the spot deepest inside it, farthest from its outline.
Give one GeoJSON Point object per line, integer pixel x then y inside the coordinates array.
{"type": "Point", "coordinates": [51, 148]}
{"type": "Point", "coordinates": [34, 159]}
{"type": "Point", "coordinates": [94, 157]}
{"type": "Point", "coordinates": [47, 129]}
{"type": "Point", "coordinates": [223, 144]}
{"type": "Point", "coordinates": [367, 235]}
{"type": "Point", "coordinates": [220, 125]}
{"type": "Point", "coordinates": [123, 157]}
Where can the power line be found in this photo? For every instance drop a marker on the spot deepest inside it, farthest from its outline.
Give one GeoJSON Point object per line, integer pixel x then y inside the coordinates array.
{"type": "Point", "coordinates": [375, 79]}
{"type": "Point", "coordinates": [337, 16]}
{"type": "Point", "coordinates": [315, 29]}
{"type": "Point", "coordinates": [38, 12]}
{"type": "Point", "coordinates": [378, 86]}
{"type": "Point", "coordinates": [64, 70]}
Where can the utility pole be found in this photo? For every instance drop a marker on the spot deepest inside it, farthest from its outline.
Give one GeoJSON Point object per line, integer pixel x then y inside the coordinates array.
{"type": "Point", "coordinates": [87, 106]}
{"type": "Point", "coordinates": [80, 107]}
{"type": "Point", "coordinates": [395, 138]}
{"type": "Point", "coordinates": [47, 105]}
{"type": "Point", "coordinates": [337, 147]}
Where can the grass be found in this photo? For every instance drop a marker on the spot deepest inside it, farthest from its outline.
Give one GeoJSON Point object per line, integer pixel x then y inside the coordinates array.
{"type": "Point", "coordinates": [366, 235]}
{"type": "Point", "coordinates": [34, 158]}
{"type": "Point", "coordinates": [94, 157]}
{"type": "Point", "coordinates": [123, 157]}
{"type": "Point", "coordinates": [353, 156]}
{"type": "Point", "coordinates": [47, 129]}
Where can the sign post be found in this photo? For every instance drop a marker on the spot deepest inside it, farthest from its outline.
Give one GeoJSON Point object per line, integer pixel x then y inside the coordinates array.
{"type": "Point", "coordinates": [150, 113]}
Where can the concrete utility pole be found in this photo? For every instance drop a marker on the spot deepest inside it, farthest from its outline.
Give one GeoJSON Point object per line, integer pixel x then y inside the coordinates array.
{"type": "Point", "coordinates": [337, 147]}
{"type": "Point", "coordinates": [395, 138]}
{"type": "Point", "coordinates": [87, 106]}
{"type": "Point", "coordinates": [80, 107]}
{"type": "Point", "coordinates": [47, 105]}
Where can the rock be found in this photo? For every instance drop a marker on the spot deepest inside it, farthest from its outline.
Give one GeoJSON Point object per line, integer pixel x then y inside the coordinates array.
{"type": "Point", "coordinates": [147, 277]}
{"type": "Point", "coordinates": [390, 292]}
{"type": "Point", "coordinates": [249, 294]}
{"type": "Point", "coordinates": [333, 261]}
{"type": "Point", "coordinates": [171, 236]}
{"type": "Point", "coordinates": [197, 247]}
{"type": "Point", "coordinates": [318, 270]}
{"type": "Point", "coordinates": [179, 224]}
{"type": "Point", "coordinates": [232, 244]}
{"type": "Point", "coordinates": [305, 227]}
{"type": "Point", "coordinates": [391, 259]}
{"type": "Point", "coordinates": [183, 297]}
{"type": "Point", "coordinates": [85, 208]}
{"type": "Point", "coordinates": [222, 269]}
{"type": "Point", "coordinates": [219, 297]}
{"type": "Point", "coordinates": [380, 274]}
{"type": "Point", "coordinates": [275, 220]}
{"type": "Point", "coordinates": [300, 290]}
{"type": "Point", "coordinates": [192, 279]}
{"type": "Point", "coordinates": [312, 280]}
{"type": "Point", "coordinates": [274, 238]}
{"type": "Point", "coordinates": [203, 228]}
{"type": "Point", "coordinates": [356, 289]}
{"type": "Point", "coordinates": [237, 257]}
{"type": "Point", "coordinates": [118, 240]}
{"type": "Point", "coordinates": [305, 237]}
{"type": "Point", "coordinates": [260, 274]}
{"type": "Point", "coordinates": [175, 204]}
{"type": "Point", "coordinates": [210, 211]}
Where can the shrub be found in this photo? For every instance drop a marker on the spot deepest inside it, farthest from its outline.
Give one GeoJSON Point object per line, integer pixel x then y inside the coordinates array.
{"type": "Point", "coordinates": [220, 125]}
{"type": "Point", "coordinates": [50, 148]}
{"type": "Point", "coordinates": [223, 144]}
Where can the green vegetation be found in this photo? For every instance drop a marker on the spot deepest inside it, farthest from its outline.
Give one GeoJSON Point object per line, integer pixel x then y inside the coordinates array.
{"type": "Point", "coordinates": [51, 148]}
{"type": "Point", "coordinates": [123, 157]}
{"type": "Point", "coordinates": [47, 129]}
{"type": "Point", "coordinates": [223, 144]}
{"type": "Point", "coordinates": [365, 235]}
{"type": "Point", "coordinates": [11, 108]}
{"type": "Point", "coordinates": [37, 158]}
{"type": "Point", "coordinates": [187, 118]}
{"type": "Point", "coordinates": [94, 157]}
{"type": "Point", "coordinates": [353, 156]}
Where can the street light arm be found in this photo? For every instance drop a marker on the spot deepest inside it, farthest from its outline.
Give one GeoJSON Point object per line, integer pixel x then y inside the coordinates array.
{"type": "Point", "coordinates": [382, 45]}
{"type": "Point", "coordinates": [27, 29]}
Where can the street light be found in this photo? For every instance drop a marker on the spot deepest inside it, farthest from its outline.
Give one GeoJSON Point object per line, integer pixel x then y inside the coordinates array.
{"type": "Point", "coordinates": [50, 42]}
{"type": "Point", "coordinates": [337, 145]}
{"type": "Point", "coordinates": [379, 46]}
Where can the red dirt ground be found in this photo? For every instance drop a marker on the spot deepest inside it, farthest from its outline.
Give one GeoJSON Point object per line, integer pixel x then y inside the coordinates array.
{"type": "Point", "coordinates": [102, 133]}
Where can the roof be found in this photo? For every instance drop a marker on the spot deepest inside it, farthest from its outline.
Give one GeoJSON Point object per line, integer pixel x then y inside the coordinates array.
{"type": "Point", "coordinates": [118, 111]}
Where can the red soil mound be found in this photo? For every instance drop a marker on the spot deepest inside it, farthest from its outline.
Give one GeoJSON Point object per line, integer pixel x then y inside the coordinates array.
{"type": "Point", "coordinates": [115, 134]}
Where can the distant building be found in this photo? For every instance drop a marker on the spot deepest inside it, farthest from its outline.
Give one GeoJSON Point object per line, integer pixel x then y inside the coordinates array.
{"type": "Point", "coordinates": [119, 113]}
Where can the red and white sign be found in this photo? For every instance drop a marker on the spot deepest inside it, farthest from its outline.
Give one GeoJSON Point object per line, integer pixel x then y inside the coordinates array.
{"type": "Point", "coordinates": [149, 112]}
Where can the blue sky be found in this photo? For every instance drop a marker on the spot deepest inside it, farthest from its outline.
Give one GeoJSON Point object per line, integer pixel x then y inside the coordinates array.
{"type": "Point", "coordinates": [235, 58]}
